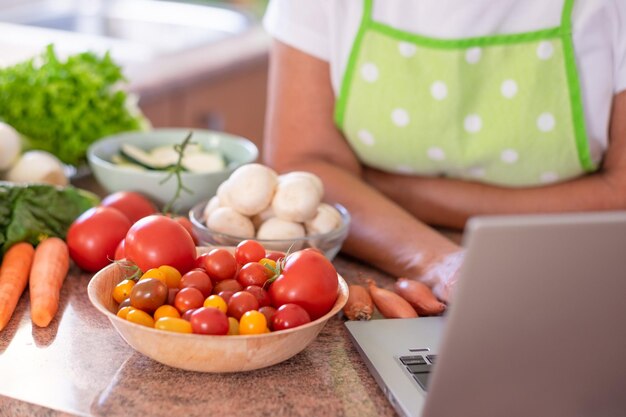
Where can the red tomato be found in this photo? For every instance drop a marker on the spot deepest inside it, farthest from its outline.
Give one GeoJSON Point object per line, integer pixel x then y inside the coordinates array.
{"type": "Point", "coordinates": [186, 223]}
{"type": "Point", "coordinates": [226, 294]}
{"type": "Point", "coordinates": [249, 251]}
{"type": "Point", "coordinates": [268, 312]}
{"type": "Point", "coordinates": [240, 302]}
{"type": "Point", "coordinates": [209, 320]}
{"type": "Point", "coordinates": [308, 279]}
{"type": "Point", "coordinates": [220, 264]}
{"type": "Point", "coordinates": [134, 205]}
{"type": "Point", "coordinates": [227, 285]}
{"type": "Point", "coordinates": [93, 237]}
{"type": "Point", "coordinates": [288, 316]}
{"type": "Point", "coordinates": [261, 295]}
{"type": "Point", "coordinates": [158, 240]}
{"type": "Point", "coordinates": [199, 279]}
{"type": "Point", "coordinates": [252, 273]}
{"type": "Point", "coordinates": [120, 251]}
{"type": "Point", "coordinates": [275, 255]}
{"type": "Point", "coordinates": [188, 298]}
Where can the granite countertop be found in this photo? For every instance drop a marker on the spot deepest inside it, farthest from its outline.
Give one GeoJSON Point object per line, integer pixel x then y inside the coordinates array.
{"type": "Point", "coordinates": [80, 366]}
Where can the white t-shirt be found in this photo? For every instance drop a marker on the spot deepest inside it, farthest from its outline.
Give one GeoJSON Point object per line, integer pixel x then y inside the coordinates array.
{"type": "Point", "coordinates": [326, 29]}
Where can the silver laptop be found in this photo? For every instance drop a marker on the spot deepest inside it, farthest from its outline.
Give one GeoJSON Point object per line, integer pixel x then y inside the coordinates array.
{"type": "Point", "coordinates": [537, 326]}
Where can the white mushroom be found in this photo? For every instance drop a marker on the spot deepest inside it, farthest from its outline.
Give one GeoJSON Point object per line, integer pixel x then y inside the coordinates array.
{"type": "Point", "coordinates": [213, 203]}
{"type": "Point", "coordinates": [278, 229]}
{"type": "Point", "coordinates": [222, 195]}
{"type": "Point", "coordinates": [228, 221]}
{"type": "Point", "coordinates": [258, 219]}
{"type": "Point", "coordinates": [327, 219]}
{"type": "Point", "coordinates": [38, 167]}
{"type": "Point", "coordinates": [250, 189]}
{"type": "Point", "coordinates": [319, 185]}
{"type": "Point", "coordinates": [10, 146]}
{"type": "Point", "coordinates": [296, 199]}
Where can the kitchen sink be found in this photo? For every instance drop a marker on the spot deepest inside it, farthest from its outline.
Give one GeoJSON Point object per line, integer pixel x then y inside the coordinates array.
{"type": "Point", "coordinates": [132, 29]}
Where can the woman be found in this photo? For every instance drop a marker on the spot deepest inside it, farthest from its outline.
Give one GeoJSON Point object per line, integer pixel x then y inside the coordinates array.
{"type": "Point", "coordinates": [420, 113]}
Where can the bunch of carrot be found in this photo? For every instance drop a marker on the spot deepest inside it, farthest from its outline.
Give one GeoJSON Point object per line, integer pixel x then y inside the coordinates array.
{"type": "Point", "coordinates": [44, 269]}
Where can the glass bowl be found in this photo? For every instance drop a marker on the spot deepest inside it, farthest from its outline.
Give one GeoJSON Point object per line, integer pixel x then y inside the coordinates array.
{"type": "Point", "coordinates": [329, 243]}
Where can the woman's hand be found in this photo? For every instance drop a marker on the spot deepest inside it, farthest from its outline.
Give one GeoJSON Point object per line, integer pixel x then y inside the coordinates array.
{"type": "Point", "coordinates": [442, 276]}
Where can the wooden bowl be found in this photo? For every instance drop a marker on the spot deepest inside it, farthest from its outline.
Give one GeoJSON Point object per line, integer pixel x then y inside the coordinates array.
{"type": "Point", "coordinates": [205, 353]}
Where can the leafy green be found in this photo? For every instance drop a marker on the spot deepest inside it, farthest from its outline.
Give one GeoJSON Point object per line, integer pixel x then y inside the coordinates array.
{"type": "Point", "coordinates": [63, 107]}
{"type": "Point", "coordinates": [29, 213]}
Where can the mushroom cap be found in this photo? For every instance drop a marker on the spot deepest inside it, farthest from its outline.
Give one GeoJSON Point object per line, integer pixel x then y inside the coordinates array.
{"type": "Point", "coordinates": [250, 188]}
{"type": "Point", "coordinates": [229, 221]}
{"type": "Point", "coordinates": [275, 228]}
{"type": "Point", "coordinates": [327, 219]}
{"type": "Point", "coordinates": [296, 199]}
{"type": "Point", "coordinates": [319, 185]}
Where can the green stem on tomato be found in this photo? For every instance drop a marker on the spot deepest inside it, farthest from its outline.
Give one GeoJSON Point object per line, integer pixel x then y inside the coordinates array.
{"type": "Point", "coordinates": [176, 171]}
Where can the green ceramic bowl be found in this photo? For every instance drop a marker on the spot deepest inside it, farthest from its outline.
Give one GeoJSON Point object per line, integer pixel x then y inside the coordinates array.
{"type": "Point", "coordinates": [113, 177]}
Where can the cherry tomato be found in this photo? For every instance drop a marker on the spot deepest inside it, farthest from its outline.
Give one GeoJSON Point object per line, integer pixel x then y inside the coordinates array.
{"type": "Point", "coordinates": [122, 290]}
{"type": "Point", "coordinates": [165, 310]}
{"type": "Point", "coordinates": [220, 264]}
{"type": "Point", "coordinates": [154, 273]}
{"type": "Point", "coordinates": [288, 316]}
{"type": "Point", "coordinates": [252, 322]}
{"type": "Point", "coordinates": [233, 326]}
{"type": "Point", "coordinates": [261, 295]}
{"type": "Point", "coordinates": [171, 295]}
{"type": "Point", "coordinates": [198, 279]}
{"type": "Point", "coordinates": [140, 317]}
{"type": "Point", "coordinates": [123, 312]}
{"type": "Point", "coordinates": [227, 285]}
{"type": "Point", "coordinates": [241, 302]}
{"type": "Point", "coordinates": [268, 312]}
{"type": "Point", "coordinates": [249, 251]}
{"type": "Point", "coordinates": [172, 276]}
{"type": "Point", "coordinates": [173, 324]}
{"type": "Point", "coordinates": [307, 279]}
{"type": "Point", "coordinates": [158, 240]}
{"type": "Point", "coordinates": [188, 298]}
{"type": "Point", "coordinates": [226, 295]}
{"type": "Point", "coordinates": [132, 204]}
{"type": "Point", "coordinates": [148, 295]}
{"type": "Point", "coordinates": [125, 303]}
{"type": "Point", "coordinates": [209, 320]}
{"type": "Point", "coordinates": [275, 255]}
{"type": "Point", "coordinates": [187, 314]}
{"type": "Point", "coordinates": [216, 301]}
{"type": "Point", "coordinates": [270, 266]}
{"type": "Point", "coordinates": [252, 273]}
{"type": "Point", "coordinates": [93, 237]}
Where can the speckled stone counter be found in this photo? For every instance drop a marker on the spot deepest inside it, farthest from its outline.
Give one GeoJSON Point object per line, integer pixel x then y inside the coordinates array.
{"type": "Point", "coordinates": [80, 366]}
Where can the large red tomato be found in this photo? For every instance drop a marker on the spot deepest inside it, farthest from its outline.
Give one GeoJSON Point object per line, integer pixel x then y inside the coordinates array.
{"type": "Point", "coordinates": [158, 240]}
{"type": "Point", "coordinates": [134, 205]}
{"type": "Point", "coordinates": [93, 237]}
{"type": "Point", "coordinates": [309, 280]}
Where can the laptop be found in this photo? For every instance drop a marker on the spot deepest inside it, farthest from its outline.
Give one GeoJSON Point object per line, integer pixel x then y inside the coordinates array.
{"type": "Point", "coordinates": [537, 326]}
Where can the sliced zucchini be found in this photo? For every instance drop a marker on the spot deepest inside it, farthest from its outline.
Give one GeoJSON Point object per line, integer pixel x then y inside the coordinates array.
{"type": "Point", "coordinates": [203, 162]}
{"type": "Point", "coordinates": [165, 154]}
{"type": "Point", "coordinates": [143, 158]}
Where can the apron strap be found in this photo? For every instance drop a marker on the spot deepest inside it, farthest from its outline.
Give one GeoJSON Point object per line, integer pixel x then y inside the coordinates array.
{"type": "Point", "coordinates": [566, 16]}
{"type": "Point", "coordinates": [367, 12]}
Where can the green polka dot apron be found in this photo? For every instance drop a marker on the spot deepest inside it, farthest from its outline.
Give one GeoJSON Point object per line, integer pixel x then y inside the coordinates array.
{"type": "Point", "coordinates": [503, 110]}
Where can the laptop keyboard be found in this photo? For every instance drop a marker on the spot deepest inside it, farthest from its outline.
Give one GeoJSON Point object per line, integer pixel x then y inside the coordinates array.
{"type": "Point", "coordinates": [419, 366]}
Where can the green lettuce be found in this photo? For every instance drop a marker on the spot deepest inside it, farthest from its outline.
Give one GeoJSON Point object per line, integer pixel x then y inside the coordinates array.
{"type": "Point", "coordinates": [30, 213]}
{"type": "Point", "coordinates": [63, 107]}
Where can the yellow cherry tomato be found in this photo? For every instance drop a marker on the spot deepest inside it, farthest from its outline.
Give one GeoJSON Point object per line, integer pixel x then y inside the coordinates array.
{"type": "Point", "coordinates": [270, 265]}
{"type": "Point", "coordinates": [173, 324]}
{"type": "Point", "coordinates": [166, 310]}
{"type": "Point", "coordinates": [172, 276]}
{"type": "Point", "coordinates": [216, 301]}
{"type": "Point", "coordinates": [154, 273]}
{"type": "Point", "coordinates": [252, 322]}
{"type": "Point", "coordinates": [140, 317]}
{"type": "Point", "coordinates": [122, 312]}
{"type": "Point", "coordinates": [122, 290]}
{"type": "Point", "coordinates": [233, 326]}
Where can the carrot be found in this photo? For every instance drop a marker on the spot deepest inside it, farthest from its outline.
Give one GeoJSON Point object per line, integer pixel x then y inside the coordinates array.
{"type": "Point", "coordinates": [359, 305]}
{"type": "Point", "coordinates": [419, 296]}
{"type": "Point", "coordinates": [390, 304]}
{"type": "Point", "coordinates": [13, 278]}
{"type": "Point", "coordinates": [50, 266]}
